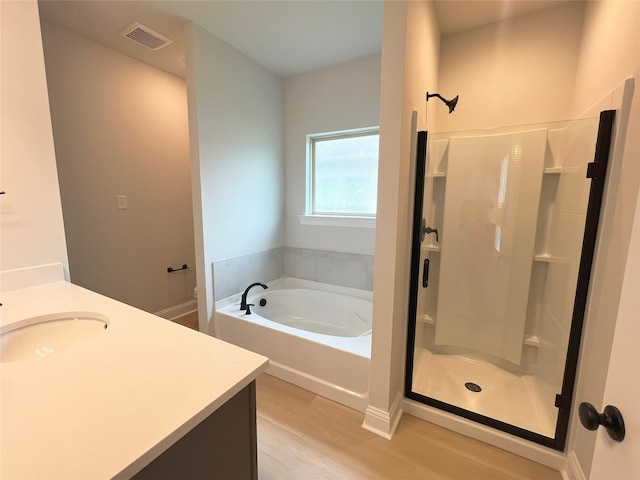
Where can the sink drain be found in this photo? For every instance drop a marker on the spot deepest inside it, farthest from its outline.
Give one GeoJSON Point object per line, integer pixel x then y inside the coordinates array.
{"type": "Point", "coordinates": [474, 387]}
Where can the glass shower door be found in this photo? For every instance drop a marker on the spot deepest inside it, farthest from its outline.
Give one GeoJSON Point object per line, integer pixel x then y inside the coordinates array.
{"type": "Point", "coordinates": [500, 219]}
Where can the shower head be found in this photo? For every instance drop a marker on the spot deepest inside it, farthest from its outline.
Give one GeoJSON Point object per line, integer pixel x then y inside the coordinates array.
{"type": "Point", "coordinates": [449, 103]}
{"type": "Point", "coordinates": [452, 103]}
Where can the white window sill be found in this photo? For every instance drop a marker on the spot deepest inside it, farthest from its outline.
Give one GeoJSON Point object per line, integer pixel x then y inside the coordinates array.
{"type": "Point", "coordinates": [335, 221]}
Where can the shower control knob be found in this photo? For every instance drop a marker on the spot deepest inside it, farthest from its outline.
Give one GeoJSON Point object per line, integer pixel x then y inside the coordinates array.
{"type": "Point", "coordinates": [427, 230]}
{"type": "Point", "coordinates": [610, 418]}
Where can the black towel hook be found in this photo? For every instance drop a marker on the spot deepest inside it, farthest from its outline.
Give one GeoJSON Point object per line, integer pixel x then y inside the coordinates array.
{"type": "Point", "coordinates": [184, 267]}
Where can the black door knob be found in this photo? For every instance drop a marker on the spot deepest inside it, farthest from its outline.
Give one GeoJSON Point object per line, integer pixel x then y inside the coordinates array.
{"type": "Point", "coordinates": [610, 418]}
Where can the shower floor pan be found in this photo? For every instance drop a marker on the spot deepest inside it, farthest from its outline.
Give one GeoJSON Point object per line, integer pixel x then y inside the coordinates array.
{"type": "Point", "coordinates": [510, 398]}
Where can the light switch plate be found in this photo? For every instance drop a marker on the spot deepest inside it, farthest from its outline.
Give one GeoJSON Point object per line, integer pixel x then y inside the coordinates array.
{"type": "Point", "coordinates": [122, 202]}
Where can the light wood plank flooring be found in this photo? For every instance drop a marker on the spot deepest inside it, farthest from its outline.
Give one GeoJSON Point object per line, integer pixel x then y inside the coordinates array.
{"type": "Point", "coordinates": [189, 320]}
{"type": "Point", "coordinates": [302, 436]}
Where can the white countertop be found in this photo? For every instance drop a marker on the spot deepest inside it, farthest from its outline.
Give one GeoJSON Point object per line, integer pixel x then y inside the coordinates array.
{"type": "Point", "coordinates": [108, 406]}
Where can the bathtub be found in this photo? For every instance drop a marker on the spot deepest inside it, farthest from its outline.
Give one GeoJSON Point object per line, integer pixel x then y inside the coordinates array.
{"type": "Point", "coordinates": [317, 336]}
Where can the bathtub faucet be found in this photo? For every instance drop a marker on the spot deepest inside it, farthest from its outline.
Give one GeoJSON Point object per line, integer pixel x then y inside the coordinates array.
{"type": "Point", "coordinates": [243, 303]}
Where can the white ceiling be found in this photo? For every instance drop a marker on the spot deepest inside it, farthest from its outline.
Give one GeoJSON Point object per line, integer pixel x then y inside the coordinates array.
{"type": "Point", "coordinates": [287, 37]}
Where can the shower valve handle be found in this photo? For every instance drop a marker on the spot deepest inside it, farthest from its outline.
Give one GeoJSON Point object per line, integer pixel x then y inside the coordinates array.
{"type": "Point", "coordinates": [427, 230]}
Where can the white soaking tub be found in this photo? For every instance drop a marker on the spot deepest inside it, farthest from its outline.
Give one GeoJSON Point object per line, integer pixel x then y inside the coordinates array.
{"type": "Point", "coordinates": [316, 336]}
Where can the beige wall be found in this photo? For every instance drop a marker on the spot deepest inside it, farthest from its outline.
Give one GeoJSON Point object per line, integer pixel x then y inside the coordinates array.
{"type": "Point", "coordinates": [609, 54]}
{"type": "Point", "coordinates": [235, 125]}
{"type": "Point", "coordinates": [120, 128]}
{"type": "Point", "coordinates": [341, 97]}
{"type": "Point", "coordinates": [611, 459]}
{"type": "Point", "coordinates": [514, 72]}
{"type": "Point", "coordinates": [410, 48]}
{"type": "Point", "coordinates": [31, 226]}
{"type": "Point", "coordinates": [609, 51]}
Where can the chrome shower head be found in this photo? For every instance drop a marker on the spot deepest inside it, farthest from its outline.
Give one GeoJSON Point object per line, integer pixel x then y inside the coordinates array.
{"type": "Point", "coordinates": [449, 103]}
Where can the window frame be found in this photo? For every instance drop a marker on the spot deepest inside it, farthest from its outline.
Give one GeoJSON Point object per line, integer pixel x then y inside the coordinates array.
{"type": "Point", "coordinates": [349, 219]}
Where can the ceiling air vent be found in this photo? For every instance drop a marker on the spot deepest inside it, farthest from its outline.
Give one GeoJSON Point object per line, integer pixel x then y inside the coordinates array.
{"type": "Point", "coordinates": [145, 36]}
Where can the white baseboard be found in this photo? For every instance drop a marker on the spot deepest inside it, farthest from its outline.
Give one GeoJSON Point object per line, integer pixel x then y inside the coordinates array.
{"type": "Point", "coordinates": [573, 470]}
{"type": "Point", "coordinates": [380, 421]}
{"type": "Point", "coordinates": [177, 311]}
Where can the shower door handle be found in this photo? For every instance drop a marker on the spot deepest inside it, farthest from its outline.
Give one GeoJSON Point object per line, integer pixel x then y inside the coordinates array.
{"type": "Point", "coordinates": [425, 273]}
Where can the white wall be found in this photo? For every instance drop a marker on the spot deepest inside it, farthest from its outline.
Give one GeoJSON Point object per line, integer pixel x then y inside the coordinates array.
{"type": "Point", "coordinates": [235, 124]}
{"type": "Point", "coordinates": [514, 72]}
{"type": "Point", "coordinates": [410, 48]}
{"type": "Point", "coordinates": [341, 97]}
{"type": "Point", "coordinates": [120, 128]}
{"type": "Point", "coordinates": [32, 231]}
{"type": "Point", "coordinates": [608, 51]}
{"type": "Point", "coordinates": [612, 459]}
{"type": "Point", "coordinates": [609, 54]}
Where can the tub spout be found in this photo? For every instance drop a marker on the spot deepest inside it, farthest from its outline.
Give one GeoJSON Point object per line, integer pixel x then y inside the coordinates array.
{"type": "Point", "coordinates": [243, 302]}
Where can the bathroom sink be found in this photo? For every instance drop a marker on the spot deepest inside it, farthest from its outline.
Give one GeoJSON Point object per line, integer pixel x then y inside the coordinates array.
{"type": "Point", "coordinates": [41, 336]}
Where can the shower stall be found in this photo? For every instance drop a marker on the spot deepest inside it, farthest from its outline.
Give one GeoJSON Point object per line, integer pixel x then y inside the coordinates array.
{"type": "Point", "coordinates": [505, 223]}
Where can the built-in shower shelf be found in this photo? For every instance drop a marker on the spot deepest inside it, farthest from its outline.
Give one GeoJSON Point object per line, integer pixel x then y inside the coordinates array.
{"type": "Point", "coordinates": [543, 257]}
{"type": "Point", "coordinates": [532, 341]}
{"type": "Point", "coordinates": [547, 171]}
{"type": "Point", "coordinates": [427, 319]}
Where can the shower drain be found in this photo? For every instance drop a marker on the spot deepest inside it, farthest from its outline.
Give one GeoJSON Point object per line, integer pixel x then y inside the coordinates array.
{"type": "Point", "coordinates": [474, 387]}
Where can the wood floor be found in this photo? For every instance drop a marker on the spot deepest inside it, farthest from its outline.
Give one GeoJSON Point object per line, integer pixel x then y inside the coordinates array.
{"type": "Point", "coordinates": [302, 436]}
{"type": "Point", "coordinates": [189, 320]}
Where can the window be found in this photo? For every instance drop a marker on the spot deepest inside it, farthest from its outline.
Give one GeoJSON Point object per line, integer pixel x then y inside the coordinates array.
{"type": "Point", "coordinates": [343, 174]}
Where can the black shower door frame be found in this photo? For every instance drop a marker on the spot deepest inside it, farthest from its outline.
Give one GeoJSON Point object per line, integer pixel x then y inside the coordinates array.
{"type": "Point", "coordinates": [596, 171]}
